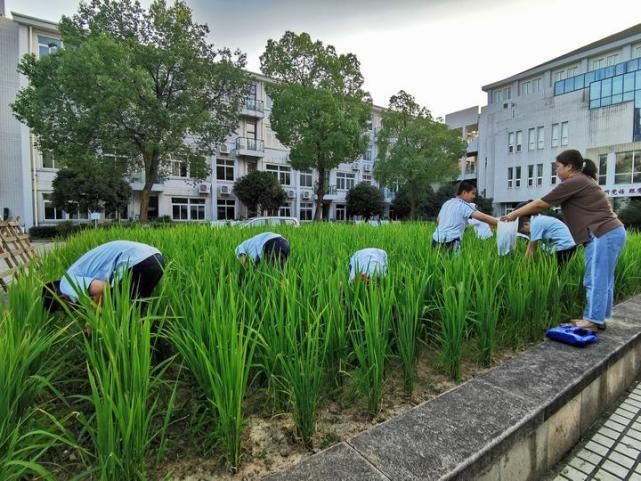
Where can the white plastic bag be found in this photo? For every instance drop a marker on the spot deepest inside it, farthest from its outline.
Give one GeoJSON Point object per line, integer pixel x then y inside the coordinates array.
{"type": "Point", "coordinates": [506, 236]}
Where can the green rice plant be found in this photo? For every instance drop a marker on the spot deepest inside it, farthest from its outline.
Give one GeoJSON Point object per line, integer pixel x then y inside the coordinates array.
{"type": "Point", "coordinates": [486, 309]}
{"type": "Point", "coordinates": [302, 366]}
{"type": "Point", "coordinates": [216, 341]}
{"type": "Point", "coordinates": [454, 313]}
{"type": "Point", "coordinates": [122, 382]}
{"type": "Point", "coordinates": [32, 358]}
{"type": "Point", "coordinates": [409, 309]}
{"type": "Point", "coordinates": [370, 336]}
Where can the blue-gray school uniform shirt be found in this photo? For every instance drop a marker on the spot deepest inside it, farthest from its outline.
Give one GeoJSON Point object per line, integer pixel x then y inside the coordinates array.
{"type": "Point", "coordinates": [254, 247]}
{"type": "Point", "coordinates": [107, 262]}
{"type": "Point", "coordinates": [370, 261]}
{"type": "Point", "coordinates": [452, 220]}
{"type": "Point", "coordinates": [550, 229]}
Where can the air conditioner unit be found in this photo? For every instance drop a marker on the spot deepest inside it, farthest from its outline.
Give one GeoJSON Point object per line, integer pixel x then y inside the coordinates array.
{"type": "Point", "coordinates": [203, 188]}
{"type": "Point", "coordinates": [224, 190]}
{"type": "Point", "coordinates": [290, 194]}
{"type": "Point", "coordinates": [223, 149]}
{"type": "Point", "coordinates": [355, 166]}
{"type": "Point", "coordinates": [306, 195]}
{"type": "Point", "coordinates": [367, 167]}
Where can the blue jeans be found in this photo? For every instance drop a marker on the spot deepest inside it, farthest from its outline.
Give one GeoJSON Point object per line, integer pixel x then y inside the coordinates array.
{"type": "Point", "coordinates": [601, 256]}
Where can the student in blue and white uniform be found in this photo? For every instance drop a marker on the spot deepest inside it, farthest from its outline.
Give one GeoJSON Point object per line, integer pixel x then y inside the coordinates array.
{"type": "Point", "coordinates": [105, 265]}
{"type": "Point", "coordinates": [548, 230]}
{"type": "Point", "coordinates": [368, 263]}
{"type": "Point", "coordinates": [267, 245]}
{"type": "Point", "coordinates": [453, 217]}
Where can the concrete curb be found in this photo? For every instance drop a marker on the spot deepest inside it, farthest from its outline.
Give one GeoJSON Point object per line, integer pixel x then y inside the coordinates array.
{"type": "Point", "coordinates": [512, 423]}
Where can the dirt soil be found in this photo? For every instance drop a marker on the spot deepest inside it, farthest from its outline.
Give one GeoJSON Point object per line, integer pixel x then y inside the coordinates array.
{"type": "Point", "coordinates": [271, 444]}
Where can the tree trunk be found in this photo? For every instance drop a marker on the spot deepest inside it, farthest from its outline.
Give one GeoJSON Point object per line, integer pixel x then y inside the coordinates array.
{"type": "Point", "coordinates": [320, 194]}
{"type": "Point", "coordinates": [151, 170]}
{"type": "Point", "coordinates": [412, 208]}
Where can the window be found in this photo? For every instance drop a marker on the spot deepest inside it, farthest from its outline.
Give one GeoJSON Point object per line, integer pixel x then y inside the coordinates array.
{"type": "Point", "coordinates": [501, 95]}
{"type": "Point", "coordinates": [519, 140]}
{"type": "Point", "coordinates": [178, 168]}
{"type": "Point", "coordinates": [517, 177]}
{"type": "Point", "coordinates": [531, 86]}
{"type": "Point", "coordinates": [344, 180]}
{"type": "Point", "coordinates": [282, 173]}
{"type": "Point", "coordinates": [540, 135]}
{"type": "Point", "coordinates": [605, 61]}
{"type": "Point", "coordinates": [555, 135]}
{"type": "Point", "coordinates": [553, 177]}
{"type": "Point", "coordinates": [341, 212]}
{"type": "Point", "coordinates": [78, 214]}
{"type": "Point", "coordinates": [252, 166]}
{"type": "Point", "coordinates": [226, 209]}
{"type": "Point", "coordinates": [367, 178]}
{"type": "Point", "coordinates": [636, 52]}
{"type": "Point", "coordinates": [531, 139]}
{"type": "Point", "coordinates": [47, 45]}
{"type": "Point", "coordinates": [530, 175]}
{"type": "Point", "coordinates": [510, 177]}
{"type": "Point", "coordinates": [306, 210]}
{"type": "Point", "coordinates": [564, 133]}
{"type": "Point", "coordinates": [510, 142]}
{"type": "Point", "coordinates": [539, 174]}
{"type": "Point", "coordinates": [250, 129]}
{"type": "Point", "coordinates": [305, 178]}
{"type": "Point", "coordinates": [564, 73]}
{"type": "Point", "coordinates": [368, 155]}
{"type": "Point", "coordinates": [224, 169]}
{"type": "Point", "coordinates": [285, 210]}
{"type": "Point", "coordinates": [623, 168]}
{"type": "Point", "coordinates": [51, 213]}
{"type": "Point", "coordinates": [603, 169]}
{"type": "Point", "coordinates": [48, 162]}
{"type": "Point", "coordinates": [183, 208]}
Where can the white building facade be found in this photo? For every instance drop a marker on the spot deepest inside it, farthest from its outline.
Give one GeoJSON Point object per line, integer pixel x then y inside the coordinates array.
{"type": "Point", "coordinates": [466, 122]}
{"type": "Point", "coordinates": [26, 176]}
{"type": "Point", "coordinates": [588, 99]}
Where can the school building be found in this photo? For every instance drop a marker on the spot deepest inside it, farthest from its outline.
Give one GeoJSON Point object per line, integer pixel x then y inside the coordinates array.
{"type": "Point", "coordinates": [588, 99]}
{"type": "Point", "coordinates": [26, 175]}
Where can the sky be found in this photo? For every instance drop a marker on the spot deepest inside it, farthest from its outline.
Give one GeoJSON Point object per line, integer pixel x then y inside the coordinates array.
{"type": "Point", "coordinates": [440, 51]}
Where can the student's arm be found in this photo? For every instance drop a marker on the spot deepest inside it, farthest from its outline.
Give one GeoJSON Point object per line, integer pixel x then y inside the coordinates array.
{"type": "Point", "coordinates": [531, 248]}
{"type": "Point", "coordinates": [488, 219]}
{"type": "Point", "coordinates": [533, 207]}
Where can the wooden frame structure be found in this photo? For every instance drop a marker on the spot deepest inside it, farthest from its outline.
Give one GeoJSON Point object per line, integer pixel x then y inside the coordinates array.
{"type": "Point", "coordinates": [15, 251]}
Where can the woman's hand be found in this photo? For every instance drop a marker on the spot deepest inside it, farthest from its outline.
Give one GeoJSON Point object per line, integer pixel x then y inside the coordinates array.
{"type": "Point", "coordinates": [508, 217]}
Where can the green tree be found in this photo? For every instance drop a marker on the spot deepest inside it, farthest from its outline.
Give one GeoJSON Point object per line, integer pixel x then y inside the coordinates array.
{"type": "Point", "coordinates": [365, 200]}
{"type": "Point", "coordinates": [319, 108]}
{"type": "Point", "coordinates": [93, 189]}
{"type": "Point", "coordinates": [143, 84]}
{"type": "Point", "coordinates": [259, 191]}
{"type": "Point", "coordinates": [630, 215]}
{"type": "Point", "coordinates": [414, 150]}
{"type": "Point", "coordinates": [400, 206]}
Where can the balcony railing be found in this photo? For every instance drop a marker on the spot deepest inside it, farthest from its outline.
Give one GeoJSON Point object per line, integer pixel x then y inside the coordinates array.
{"type": "Point", "coordinates": [246, 143]}
{"type": "Point", "coordinates": [330, 190]}
{"type": "Point", "coordinates": [255, 105]}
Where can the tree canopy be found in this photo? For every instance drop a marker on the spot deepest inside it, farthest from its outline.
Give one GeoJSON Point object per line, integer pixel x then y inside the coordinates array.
{"type": "Point", "coordinates": [365, 200]}
{"type": "Point", "coordinates": [259, 191]}
{"type": "Point", "coordinates": [319, 108]}
{"type": "Point", "coordinates": [98, 188]}
{"type": "Point", "coordinates": [414, 150]}
{"type": "Point", "coordinates": [145, 85]}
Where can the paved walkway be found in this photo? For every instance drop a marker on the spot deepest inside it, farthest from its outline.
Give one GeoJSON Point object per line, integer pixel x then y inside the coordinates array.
{"type": "Point", "coordinates": [613, 450]}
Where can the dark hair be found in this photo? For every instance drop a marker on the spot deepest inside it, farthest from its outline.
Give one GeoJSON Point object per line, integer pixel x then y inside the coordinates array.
{"type": "Point", "coordinates": [276, 250]}
{"type": "Point", "coordinates": [523, 220]}
{"type": "Point", "coordinates": [522, 204]}
{"type": "Point", "coordinates": [465, 186]}
{"type": "Point", "coordinates": [575, 159]}
{"type": "Point", "coordinates": [50, 296]}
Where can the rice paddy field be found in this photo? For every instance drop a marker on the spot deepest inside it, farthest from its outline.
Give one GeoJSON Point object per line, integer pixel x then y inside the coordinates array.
{"type": "Point", "coordinates": [234, 371]}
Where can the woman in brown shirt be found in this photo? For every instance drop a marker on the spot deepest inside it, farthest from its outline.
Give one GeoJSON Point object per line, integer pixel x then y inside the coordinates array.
{"type": "Point", "coordinates": [593, 223]}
